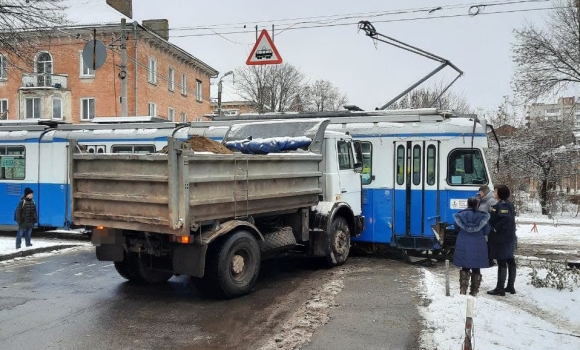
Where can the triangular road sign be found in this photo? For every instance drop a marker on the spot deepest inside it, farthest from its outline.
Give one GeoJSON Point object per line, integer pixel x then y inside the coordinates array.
{"type": "Point", "coordinates": [264, 52]}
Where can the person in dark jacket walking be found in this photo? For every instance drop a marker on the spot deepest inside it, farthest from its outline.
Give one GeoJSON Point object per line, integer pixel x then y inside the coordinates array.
{"type": "Point", "coordinates": [471, 246]}
{"type": "Point", "coordinates": [26, 216]}
{"type": "Point", "coordinates": [502, 240]}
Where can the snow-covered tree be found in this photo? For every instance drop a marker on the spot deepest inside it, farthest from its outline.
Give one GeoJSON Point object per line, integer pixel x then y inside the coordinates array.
{"type": "Point", "coordinates": [547, 57]}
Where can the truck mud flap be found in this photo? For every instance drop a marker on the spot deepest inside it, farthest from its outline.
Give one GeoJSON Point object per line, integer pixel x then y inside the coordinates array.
{"type": "Point", "coordinates": [110, 252]}
{"type": "Point", "coordinates": [189, 260]}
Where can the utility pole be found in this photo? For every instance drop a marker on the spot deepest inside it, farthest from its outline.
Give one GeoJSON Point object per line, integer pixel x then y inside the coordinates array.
{"type": "Point", "coordinates": [219, 109]}
{"type": "Point", "coordinates": [123, 72]}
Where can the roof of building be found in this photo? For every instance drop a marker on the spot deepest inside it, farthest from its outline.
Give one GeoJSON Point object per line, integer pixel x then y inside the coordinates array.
{"type": "Point", "coordinates": [72, 30]}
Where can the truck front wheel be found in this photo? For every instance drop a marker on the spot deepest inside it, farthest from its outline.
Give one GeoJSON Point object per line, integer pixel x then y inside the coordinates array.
{"type": "Point", "coordinates": [338, 242]}
{"type": "Point", "coordinates": [233, 265]}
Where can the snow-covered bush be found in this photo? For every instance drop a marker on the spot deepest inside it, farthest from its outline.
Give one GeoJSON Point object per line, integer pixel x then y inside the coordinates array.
{"type": "Point", "coordinates": [554, 274]}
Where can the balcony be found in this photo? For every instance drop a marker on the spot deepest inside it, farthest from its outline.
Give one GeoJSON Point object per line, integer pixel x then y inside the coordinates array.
{"type": "Point", "coordinates": [44, 81]}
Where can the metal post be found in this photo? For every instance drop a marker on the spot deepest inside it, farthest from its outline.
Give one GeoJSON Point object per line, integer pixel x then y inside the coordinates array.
{"type": "Point", "coordinates": [219, 109]}
{"type": "Point", "coordinates": [447, 293]}
{"type": "Point", "coordinates": [123, 72]}
{"type": "Point", "coordinates": [468, 343]}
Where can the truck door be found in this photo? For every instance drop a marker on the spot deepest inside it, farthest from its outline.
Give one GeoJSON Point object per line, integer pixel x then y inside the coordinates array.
{"type": "Point", "coordinates": [350, 181]}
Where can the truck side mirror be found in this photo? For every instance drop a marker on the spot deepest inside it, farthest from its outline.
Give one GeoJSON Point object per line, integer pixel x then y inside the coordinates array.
{"type": "Point", "coordinates": [358, 166]}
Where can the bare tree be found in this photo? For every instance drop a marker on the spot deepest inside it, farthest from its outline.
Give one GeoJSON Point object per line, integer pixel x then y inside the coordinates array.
{"type": "Point", "coordinates": [270, 88]}
{"type": "Point", "coordinates": [19, 18]}
{"type": "Point", "coordinates": [323, 96]}
{"type": "Point", "coordinates": [547, 58]}
{"type": "Point", "coordinates": [424, 98]}
{"type": "Point", "coordinates": [545, 150]}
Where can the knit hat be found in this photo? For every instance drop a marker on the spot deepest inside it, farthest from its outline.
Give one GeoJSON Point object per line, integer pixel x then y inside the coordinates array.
{"type": "Point", "coordinates": [28, 191]}
{"type": "Point", "coordinates": [484, 189]}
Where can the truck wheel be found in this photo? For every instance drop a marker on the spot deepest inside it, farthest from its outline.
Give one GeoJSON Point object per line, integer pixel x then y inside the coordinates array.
{"type": "Point", "coordinates": [122, 269]}
{"type": "Point", "coordinates": [135, 269]}
{"type": "Point", "coordinates": [338, 242]}
{"type": "Point", "coordinates": [233, 265]}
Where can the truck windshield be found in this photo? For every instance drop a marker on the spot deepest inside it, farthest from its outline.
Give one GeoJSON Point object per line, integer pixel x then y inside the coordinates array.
{"type": "Point", "coordinates": [457, 174]}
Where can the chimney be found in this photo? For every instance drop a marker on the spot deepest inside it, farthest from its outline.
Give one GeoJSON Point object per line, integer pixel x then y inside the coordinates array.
{"type": "Point", "coordinates": [158, 26]}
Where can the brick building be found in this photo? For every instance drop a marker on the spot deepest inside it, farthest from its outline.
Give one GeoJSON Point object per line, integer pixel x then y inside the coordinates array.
{"type": "Point", "coordinates": [51, 81]}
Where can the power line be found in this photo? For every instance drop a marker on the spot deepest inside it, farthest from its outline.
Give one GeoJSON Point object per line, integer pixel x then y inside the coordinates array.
{"type": "Point", "coordinates": [336, 17]}
{"type": "Point", "coordinates": [375, 21]}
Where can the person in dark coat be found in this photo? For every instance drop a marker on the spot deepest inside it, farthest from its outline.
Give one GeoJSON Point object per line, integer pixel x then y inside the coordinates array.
{"type": "Point", "coordinates": [486, 201]}
{"type": "Point", "coordinates": [502, 240]}
{"type": "Point", "coordinates": [26, 216]}
{"type": "Point", "coordinates": [471, 246]}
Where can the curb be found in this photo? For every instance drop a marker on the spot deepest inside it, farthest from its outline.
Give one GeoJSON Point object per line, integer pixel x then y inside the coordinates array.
{"type": "Point", "coordinates": [29, 252]}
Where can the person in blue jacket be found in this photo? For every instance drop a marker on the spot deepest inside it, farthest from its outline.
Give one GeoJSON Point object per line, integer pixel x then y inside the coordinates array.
{"type": "Point", "coordinates": [502, 240]}
{"type": "Point", "coordinates": [471, 246]}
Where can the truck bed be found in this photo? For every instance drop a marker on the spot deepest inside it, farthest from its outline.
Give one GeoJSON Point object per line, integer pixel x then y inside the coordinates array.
{"type": "Point", "coordinates": [176, 192]}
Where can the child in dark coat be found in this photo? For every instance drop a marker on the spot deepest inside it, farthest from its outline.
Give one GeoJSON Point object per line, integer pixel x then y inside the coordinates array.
{"type": "Point", "coordinates": [471, 246]}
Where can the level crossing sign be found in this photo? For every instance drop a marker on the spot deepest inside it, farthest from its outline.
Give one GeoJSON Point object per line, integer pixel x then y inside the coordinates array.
{"type": "Point", "coordinates": [264, 52]}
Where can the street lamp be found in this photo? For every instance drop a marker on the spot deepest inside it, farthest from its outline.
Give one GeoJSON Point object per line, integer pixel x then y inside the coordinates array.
{"type": "Point", "coordinates": [220, 92]}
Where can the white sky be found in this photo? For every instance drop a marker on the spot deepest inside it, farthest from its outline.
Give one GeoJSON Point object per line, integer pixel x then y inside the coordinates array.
{"type": "Point", "coordinates": [370, 76]}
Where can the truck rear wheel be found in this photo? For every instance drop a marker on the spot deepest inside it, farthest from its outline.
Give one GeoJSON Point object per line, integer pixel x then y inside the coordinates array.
{"type": "Point", "coordinates": [338, 242]}
{"type": "Point", "coordinates": [137, 269]}
{"type": "Point", "coordinates": [233, 265]}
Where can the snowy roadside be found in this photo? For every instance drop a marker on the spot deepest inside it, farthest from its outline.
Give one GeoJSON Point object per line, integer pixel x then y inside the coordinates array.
{"type": "Point", "coordinates": [534, 318]}
{"type": "Point", "coordinates": [39, 246]}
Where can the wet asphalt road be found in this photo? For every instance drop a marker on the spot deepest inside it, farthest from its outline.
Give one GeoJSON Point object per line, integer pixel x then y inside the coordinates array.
{"type": "Point", "coordinates": [73, 301]}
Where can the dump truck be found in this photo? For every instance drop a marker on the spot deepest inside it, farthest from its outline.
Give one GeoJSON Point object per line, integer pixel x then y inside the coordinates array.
{"type": "Point", "coordinates": [216, 217]}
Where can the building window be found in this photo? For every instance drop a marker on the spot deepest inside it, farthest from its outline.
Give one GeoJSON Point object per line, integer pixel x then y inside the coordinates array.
{"type": "Point", "coordinates": [32, 108]}
{"type": "Point", "coordinates": [183, 84]}
{"type": "Point", "coordinates": [44, 69]}
{"type": "Point", "coordinates": [4, 109]}
{"type": "Point", "coordinates": [56, 108]}
{"type": "Point", "coordinates": [87, 108]}
{"type": "Point", "coordinates": [152, 109]}
{"type": "Point", "coordinates": [171, 114]}
{"type": "Point", "coordinates": [171, 80]}
{"type": "Point", "coordinates": [13, 162]}
{"type": "Point", "coordinates": [86, 72]}
{"type": "Point", "coordinates": [198, 90]}
{"type": "Point", "coordinates": [152, 70]}
{"type": "Point", "coordinates": [552, 111]}
{"type": "Point", "coordinates": [183, 117]}
{"type": "Point", "coordinates": [3, 68]}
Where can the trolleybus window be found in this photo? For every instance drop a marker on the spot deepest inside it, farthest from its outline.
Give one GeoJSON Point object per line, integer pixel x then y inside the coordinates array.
{"type": "Point", "coordinates": [400, 165]}
{"type": "Point", "coordinates": [416, 165]}
{"type": "Point", "coordinates": [13, 162]}
{"type": "Point", "coordinates": [457, 174]}
{"type": "Point", "coordinates": [345, 158]}
{"type": "Point", "coordinates": [431, 165]}
{"type": "Point", "coordinates": [367, 161]}
{"type": "Point", "coordinates": [133, 149]}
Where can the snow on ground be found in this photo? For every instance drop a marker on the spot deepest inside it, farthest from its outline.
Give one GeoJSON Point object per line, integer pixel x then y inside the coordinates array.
{"type": "Point", "coordinates": [8, 244]}
{"type": "Point", "coordinates": [534, 318]}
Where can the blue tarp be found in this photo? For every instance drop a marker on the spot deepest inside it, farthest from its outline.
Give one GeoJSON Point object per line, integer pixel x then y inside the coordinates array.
{"type": "Point", "coordinates": [269, 145]}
